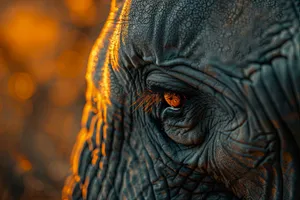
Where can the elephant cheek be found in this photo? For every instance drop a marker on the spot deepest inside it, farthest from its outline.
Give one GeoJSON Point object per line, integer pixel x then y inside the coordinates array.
{"type": "Point", "coordinates": [254, 171]}
{"type": "Point", "coordinates": [268, 181]}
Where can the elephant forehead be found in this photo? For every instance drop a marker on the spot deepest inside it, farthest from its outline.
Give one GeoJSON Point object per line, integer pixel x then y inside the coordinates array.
{"type": "Point", "coordinates": [194, 28]}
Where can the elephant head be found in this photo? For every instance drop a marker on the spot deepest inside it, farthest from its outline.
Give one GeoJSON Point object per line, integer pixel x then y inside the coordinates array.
{"type": "Point", "coordinates": [192, 99]}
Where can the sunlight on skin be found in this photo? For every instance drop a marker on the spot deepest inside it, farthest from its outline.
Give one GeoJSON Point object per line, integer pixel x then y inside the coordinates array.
{"type": "Point", "coordinates": [251, 171]}
{"type": "Point", "coordinates": [102, 102]}
{"type": "Point", "coordinates": [115, 42]}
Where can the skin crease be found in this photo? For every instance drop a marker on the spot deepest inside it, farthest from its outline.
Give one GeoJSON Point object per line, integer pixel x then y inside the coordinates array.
{"type": "Point", "coordinates": [236, 136]}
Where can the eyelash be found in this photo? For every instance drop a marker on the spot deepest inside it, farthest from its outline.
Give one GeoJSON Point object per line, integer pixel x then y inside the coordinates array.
{"type": "Point", "coordinates": [147, 100]}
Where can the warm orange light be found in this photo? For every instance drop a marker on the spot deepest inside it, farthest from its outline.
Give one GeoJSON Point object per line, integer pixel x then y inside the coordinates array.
{"type": "Point", "coordinates": [42, 71]}
{"type": "Point", "coordinates": [82, 12]}
{"type": "Point", "coordinates": [3, 67]}
{"type": "Point", "coordinates": [63, 92]}
{"type": "Point", "coordinates": [99, 92]}
{"type": "Point", "coordinates": [76, 153]}
{"type": "Point", "coordinates": [29, 33]}
{"type": "Point", "coordinates": [1, 106]}
{"type": "Point", "coordinates": [24, 163]}
{"type": "Point", "coordinates": [21, 86]}
{"type": "Point", "coordinates": [70, 64]}
{"type": "Point", "coordinates": [103, 150]}
{"type": "Point", "coordinates": [115, 40]}
{"type": "Point", "coordinates": [79, 6]}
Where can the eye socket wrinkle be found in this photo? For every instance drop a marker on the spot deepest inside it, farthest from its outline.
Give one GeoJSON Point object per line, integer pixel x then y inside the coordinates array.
{"type": "Point", "coordinates": [159, 81]}
{"type": "Point", "coordinates": [177, 88]}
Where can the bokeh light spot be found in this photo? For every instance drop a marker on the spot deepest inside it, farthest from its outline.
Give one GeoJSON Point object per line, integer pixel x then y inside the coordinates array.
{"type": "Point", "coordinates": [63, 93]}
{"type": "Point", "coordinates": [44, 52]}
{"type": "Point", "coordinates": [28, 32]}
{"type": "Point", "coordinates": [79, 6]}
{"type": "Point", "coordinates": [82, 12]}
{"type": "Point", "coordinates": [24, 164]}
{"type": "Point", "coordinates": [21, 86]}
{"type": "Point", "coordinates": [70, 64]}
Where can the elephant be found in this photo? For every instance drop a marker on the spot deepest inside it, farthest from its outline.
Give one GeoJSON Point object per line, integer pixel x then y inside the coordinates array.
{"type": "Point", "coordinates": [192, 99]}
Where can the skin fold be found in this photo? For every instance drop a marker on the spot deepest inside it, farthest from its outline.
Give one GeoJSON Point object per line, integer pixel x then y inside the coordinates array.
{"type": "Point", "coordinates": [235, 65]}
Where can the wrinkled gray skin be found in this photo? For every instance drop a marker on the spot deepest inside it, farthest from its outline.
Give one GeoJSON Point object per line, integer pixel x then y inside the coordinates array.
{"type": "Point", "coordinates": [237, 135]}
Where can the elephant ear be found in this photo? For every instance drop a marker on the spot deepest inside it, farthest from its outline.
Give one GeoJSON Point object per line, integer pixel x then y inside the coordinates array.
{"type": "Point", "coordinates": [87, 145]}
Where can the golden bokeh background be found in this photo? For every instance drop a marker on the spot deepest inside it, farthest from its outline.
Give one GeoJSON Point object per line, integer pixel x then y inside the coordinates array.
{"type": "Point", "coordinates": [44, 48]}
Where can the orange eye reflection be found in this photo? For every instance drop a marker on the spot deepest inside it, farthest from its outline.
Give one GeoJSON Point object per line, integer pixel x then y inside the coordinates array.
{"type": "Point", "coordinates": [173, 99]}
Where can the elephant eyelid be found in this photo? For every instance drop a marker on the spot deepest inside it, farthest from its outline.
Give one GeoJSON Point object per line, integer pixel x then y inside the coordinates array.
{"type": "Point", "coordinates": [161, 88]}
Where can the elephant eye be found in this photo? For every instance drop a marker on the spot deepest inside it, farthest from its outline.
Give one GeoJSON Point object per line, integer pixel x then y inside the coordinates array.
{"type": "Point", "coordinates": [150, 98]}
{"type": "Point", "coordinates": [173, 99]}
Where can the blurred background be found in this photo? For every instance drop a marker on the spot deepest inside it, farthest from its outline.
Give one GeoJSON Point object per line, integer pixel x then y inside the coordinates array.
{"type": "Point", "coordinates": [44, 48]}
